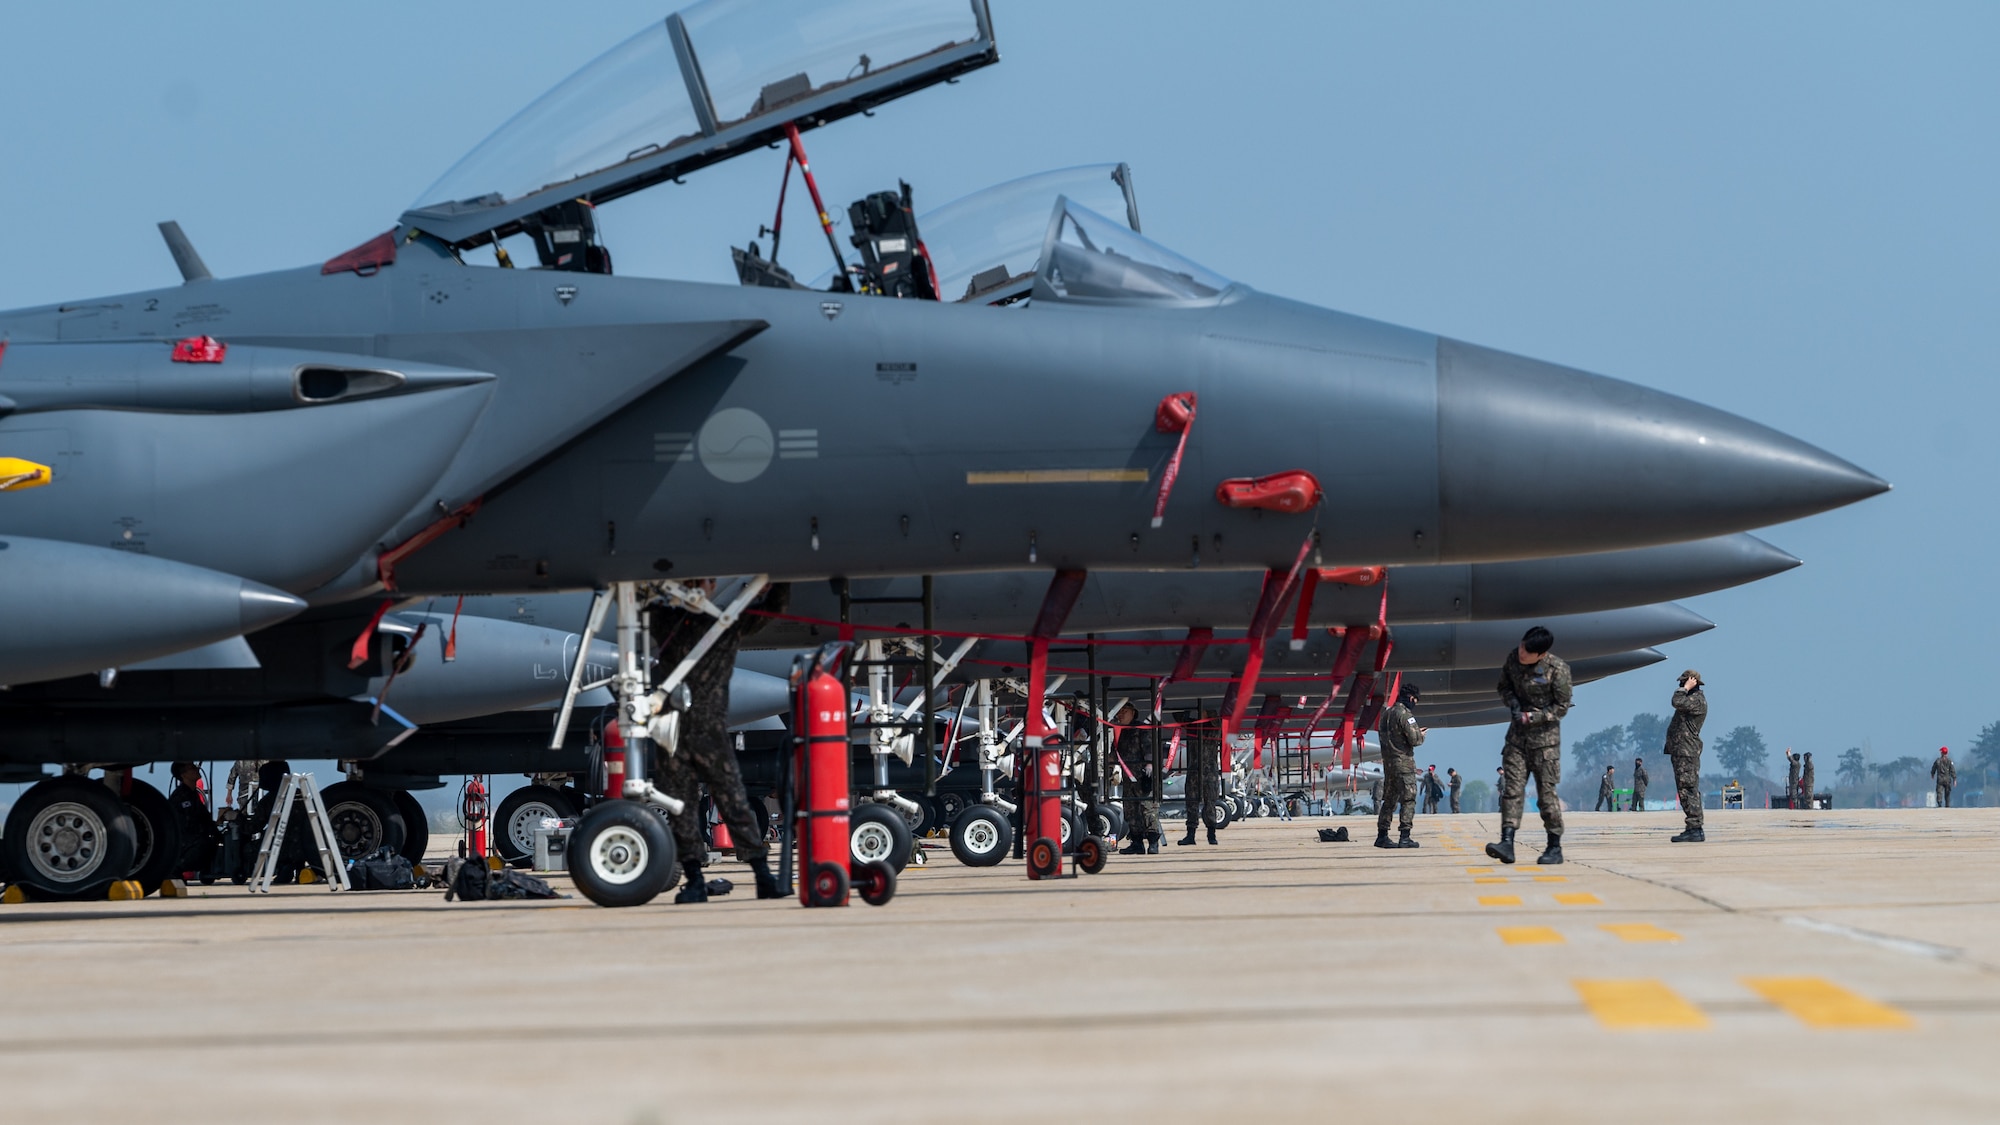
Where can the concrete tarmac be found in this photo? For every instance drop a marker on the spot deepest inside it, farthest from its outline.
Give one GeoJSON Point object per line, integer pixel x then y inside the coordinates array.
{"type": "Point", "coordinates": [1831, 966]}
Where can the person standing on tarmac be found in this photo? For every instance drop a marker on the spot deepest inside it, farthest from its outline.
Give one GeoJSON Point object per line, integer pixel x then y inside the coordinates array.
{"type": "Point", "coordinates": [1535, 686]}
{"type": "Point", "coordinates": [1400, 737]}
{"type": "Point", "coordinates": [1806, 781]}
{"type": "Point", "coordinates": [199, 837]}
{"type": "Point", "coordinates": [1457, 785]}
{"type": "Point", "coordinates": [1946, 775]}
{"type": "Point", "coordinates": [1639, 785]}
{"type": "Point", "coordinates": [1684, 750]}
{"type": "Point", "coordinates": [1791, 779]}
{"type": "Point", "coordinates": [1204, 782]}
{"type": "Point", "coordinates": [1607, 790]}
{"type": "Point", "coordinates": [705, 755]}
{"type": "Point", "coordinates": [1141, 797]}
{"type": "Point", "coordinates": [1433, 790]}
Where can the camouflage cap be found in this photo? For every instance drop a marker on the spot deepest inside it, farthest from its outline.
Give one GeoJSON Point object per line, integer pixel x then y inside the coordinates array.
{"type": "Point", "coordinates": [1691, 674]}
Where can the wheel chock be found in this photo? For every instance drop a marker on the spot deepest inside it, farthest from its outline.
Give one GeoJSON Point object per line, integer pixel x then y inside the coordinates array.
{"type": "Point", "coordinates": [174, 888]}
{"type": "Point", "coordinates": [13, 894]}
{"type": "Point", "coordinates": [493, 863]}
{"type": "Point", "coordinates": [126, 890]}
{"type": "Point", "coordinates": [307, 877]}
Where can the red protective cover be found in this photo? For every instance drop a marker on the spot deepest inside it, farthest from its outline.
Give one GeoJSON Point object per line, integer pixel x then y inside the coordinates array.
{"type": "Point", "coordinates": [366, 258]}
{"type": "Point", "coordinates": [1288, 492]}
{"type": "Point", "coordinates": [199, 349]}
{"type": "Point", "coordinates": [821, 770]}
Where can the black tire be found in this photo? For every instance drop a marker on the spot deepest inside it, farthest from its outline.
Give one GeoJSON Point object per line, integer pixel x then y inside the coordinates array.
{"type": "Point", "coordinates": [1072, 831]}
{"type": "Point", "coordinates": [364, 819]}
{"type": "Point", "coordinates": [1217, 814]}
{"type": "Point", "coordinates": [1045, 857]}
{"type": "Point", "coordinates": [981, 836]}
{"type": "Point", "coordinates": [876, 882]}
{"type": "Point", "coordinates": [931, 818]}
{"type": "Point", "coordinates": [1091, 854]}
{"type": "Point", "coordinates": [826, 885]}
{"type": "Point", "coordinates": [68, 838]}
{"type": "Point", "coordinates": [156, 837]}
{"type": "Point", "coordinates": [950, 804]}
{"type": "Point", "coordinates": [622, 854]}
{"type": "Point", "coordinates": [878, 832]}
{"type": "Point", "coordinates": [1102, 820]}
{"type": "Point", "coordinates": [520, 813]}
{"type": "Point", "coordinates": [416, 826]}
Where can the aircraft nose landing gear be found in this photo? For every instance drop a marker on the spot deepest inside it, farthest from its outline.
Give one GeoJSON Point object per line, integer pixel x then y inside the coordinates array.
{"type": "Point", "coordinates": [622, 854]}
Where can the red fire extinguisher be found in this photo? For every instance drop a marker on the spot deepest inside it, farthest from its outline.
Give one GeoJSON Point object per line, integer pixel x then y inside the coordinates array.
{"type": "Point", "coordinates": [1041, 779]}
{"type": "Point", "coordinates": [473, 809]}
{"type": "Point", "coordinates": [614, 762]}
{"type": "Point", "coordinates": [820, 767]}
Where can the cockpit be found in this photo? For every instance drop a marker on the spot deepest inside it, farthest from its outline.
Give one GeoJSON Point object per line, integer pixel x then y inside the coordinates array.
{"type": "Point", "coordinates": [723, 78]}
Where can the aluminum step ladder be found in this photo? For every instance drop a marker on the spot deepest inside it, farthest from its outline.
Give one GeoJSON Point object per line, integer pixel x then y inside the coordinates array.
{"type": "Point", "coordinates": [294, 786]}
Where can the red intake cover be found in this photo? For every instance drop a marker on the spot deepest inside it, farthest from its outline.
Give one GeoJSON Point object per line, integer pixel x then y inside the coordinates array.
{"type": "Point", "coordinates": [1290, 492]}
{"type": "Point", "coordinates": [367, 258]}
{"type": "Point", "coordinates": [1352, 575]}
{"type": "Point", "coordinates": [199, 349]}
{"type": "Point", "coordinates": [1174, 412]}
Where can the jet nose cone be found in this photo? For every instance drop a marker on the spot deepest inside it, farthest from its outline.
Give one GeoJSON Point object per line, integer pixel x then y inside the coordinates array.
{"type": "Point", "coordinates": [259, 605]}
{"type": "Point", "coordinates": [1532, 456]}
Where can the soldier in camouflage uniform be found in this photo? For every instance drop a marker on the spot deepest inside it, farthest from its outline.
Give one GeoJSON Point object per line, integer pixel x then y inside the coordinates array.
{"type": "Point", "coordinates": [1806, 781]}
{"type": "Point", "coordinates": [1535, 686]}
{"type": "Point", "coordinates": [1457, 787]}
{"type": "Point", "coordinates": [1684, 748]}
{"type": "Point", "coordinates": [1400, 737]}
{"type": "Point", "coordinates": [1140, 795]}
{"type": "Point", "coordinates": [1204, 780]}
{"type": "Point", "coordinates": [1946, 776]}
{"type": "Point", "coordinates": [1607, 790]}
{"type": "Point", "coordinates": [705, 755]}
{"type": "Point", "coordinates": [1639, 780]}
{"type": "Point", "coordinates": [1791, 779]}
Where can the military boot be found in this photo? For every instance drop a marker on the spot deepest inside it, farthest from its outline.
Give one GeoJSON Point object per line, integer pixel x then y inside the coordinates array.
{"type": "Point", "coordinates": [1504, 850]}
{"type": "Point", "coordinates": [767, 885]}
{"type": "Point", "coordinates": [1189, 838]}
{"type": "Point", "coordinates": [1382, 838]}
{"type": "Point", "coordinates": [1554, 852]}
{"type": "Point", "coordinates": [1152, 843]}
{"type": "Point", "coordinates": [1137, 846]}
{"type": "Point", "coordinates": [1211, 834]}
{"type": "Point", "coordinates": [1403, 840]}
{"type": "Point", "coordinates": [695, 889]}
{"type": "Point", "coordinates": [1691, 836]}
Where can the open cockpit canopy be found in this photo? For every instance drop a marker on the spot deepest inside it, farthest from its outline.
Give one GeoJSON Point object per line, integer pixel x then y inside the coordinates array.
{"type": "Point", "coordinates": [715, 79]}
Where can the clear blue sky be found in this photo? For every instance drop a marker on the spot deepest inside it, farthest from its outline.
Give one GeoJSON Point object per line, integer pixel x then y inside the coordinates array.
{"type": "Point", "coordinates": [1783, 209]}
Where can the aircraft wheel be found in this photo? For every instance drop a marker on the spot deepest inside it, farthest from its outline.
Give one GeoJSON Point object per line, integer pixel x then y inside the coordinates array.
{"type": "Point", "coordinates": [1102, 820]}
{"type": "Point", "coordinates": [1216, 815]}
{"type": "Point", "coordinates": [876, 882]}
{"type": "Point", "coordinates": [1091, 854]}
{"type": "Point", "coordinates": [1072, 831]}
{"type": "Point", "coordinates": [621, 854]}
{"type": "Point", "coordinates": [981, 836]}
{"type": "Point", "coordinates": [826, 885]}
{"type": "Point", "coordinates": [156, 843]}
{"type": "Point", "coordinates": [520, 813]}
{"type": "Point", "coordinates": [949, 806]}
{"type": "Point", "coordinates": [927, 815]}
{"type": "Point", "coordinates": [67, 838]}
{"type": "Point", "coordinates": [1045, 857]}
{"type": "Point", "coordinates": [416, 826]}
{"type": "Point", "coordinates": [878, 833]}
{"type": "Point", "coordinates": [364, 819]}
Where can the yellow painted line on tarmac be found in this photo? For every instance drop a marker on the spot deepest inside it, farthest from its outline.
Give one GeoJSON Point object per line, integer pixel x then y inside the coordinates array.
{"type": "Point", "coordinates": [1638, 932]}
{"type": "Point", "coordinates": [1528, 867]}
{"type": "Point", "coordinates": [1580, 898]}
{"type": "Point", "coordinates": [1528, 935]}
{"type": "Point", "coordinates": [1479, 871]}
{"type": "Point", "coordinates": [1638, 1005]}
{"type": "Point", "coordinates": [1551, 878]}
{"type": "Point", "coordinates": [1821, 1003]}
{"type": "Point", "coordinates": [1499, 900]}
{"type": "Point", "coordinates": [1489, 879]}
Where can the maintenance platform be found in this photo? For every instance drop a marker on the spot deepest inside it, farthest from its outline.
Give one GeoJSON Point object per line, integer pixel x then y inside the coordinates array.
{"type": "Point", "coordinates": [1831, 966]}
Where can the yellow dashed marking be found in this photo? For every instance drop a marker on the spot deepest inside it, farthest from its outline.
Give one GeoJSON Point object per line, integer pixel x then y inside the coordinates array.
{"type": "Point", "coordinates": [1638, 1005]}
{"type": "Point", "coordinates": [1529, 935]}
{"type": "Point", "coordinates": [1479, 871]}
{"type": "Point", "coordinates": [1579, 898]}
{"type": "Point", "coordinates": [1490, 879]}
{"type": "Point", "coordinates": [1821, 1003]}
{"type": "Point", "coordinates": [1499, 900]}
{"type": "Point", "coordinates": [1639, 931]}
{"type": "Point", "coordinates": [1551, 878]}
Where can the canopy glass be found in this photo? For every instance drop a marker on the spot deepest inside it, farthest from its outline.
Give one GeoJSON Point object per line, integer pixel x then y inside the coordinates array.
{"type": "Point", "coordinates": [1087, 257]}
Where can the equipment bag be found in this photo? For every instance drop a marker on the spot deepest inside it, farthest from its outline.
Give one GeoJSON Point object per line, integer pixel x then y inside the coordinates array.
{"type": "Point", "coordinates": [509, 883]}
{"type": "Point", "coordinates": [381, 870]}
{"type": "Point", "coordinates": [466, 880]}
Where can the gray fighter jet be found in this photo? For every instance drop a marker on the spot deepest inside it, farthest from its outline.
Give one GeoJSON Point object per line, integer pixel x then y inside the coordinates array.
{"type": "Point", "coordinates": [398, 420]}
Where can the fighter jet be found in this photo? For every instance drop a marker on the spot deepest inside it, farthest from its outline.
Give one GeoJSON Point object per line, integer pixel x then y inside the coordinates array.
{"type": "Point", "coordinates": [400, 420]}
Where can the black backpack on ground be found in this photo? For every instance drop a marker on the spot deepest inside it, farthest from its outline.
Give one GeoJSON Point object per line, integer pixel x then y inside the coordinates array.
{"type": "Point", "coordinates": [472, 881]}
{"type": "Point", "coordinates": [381, 870]}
